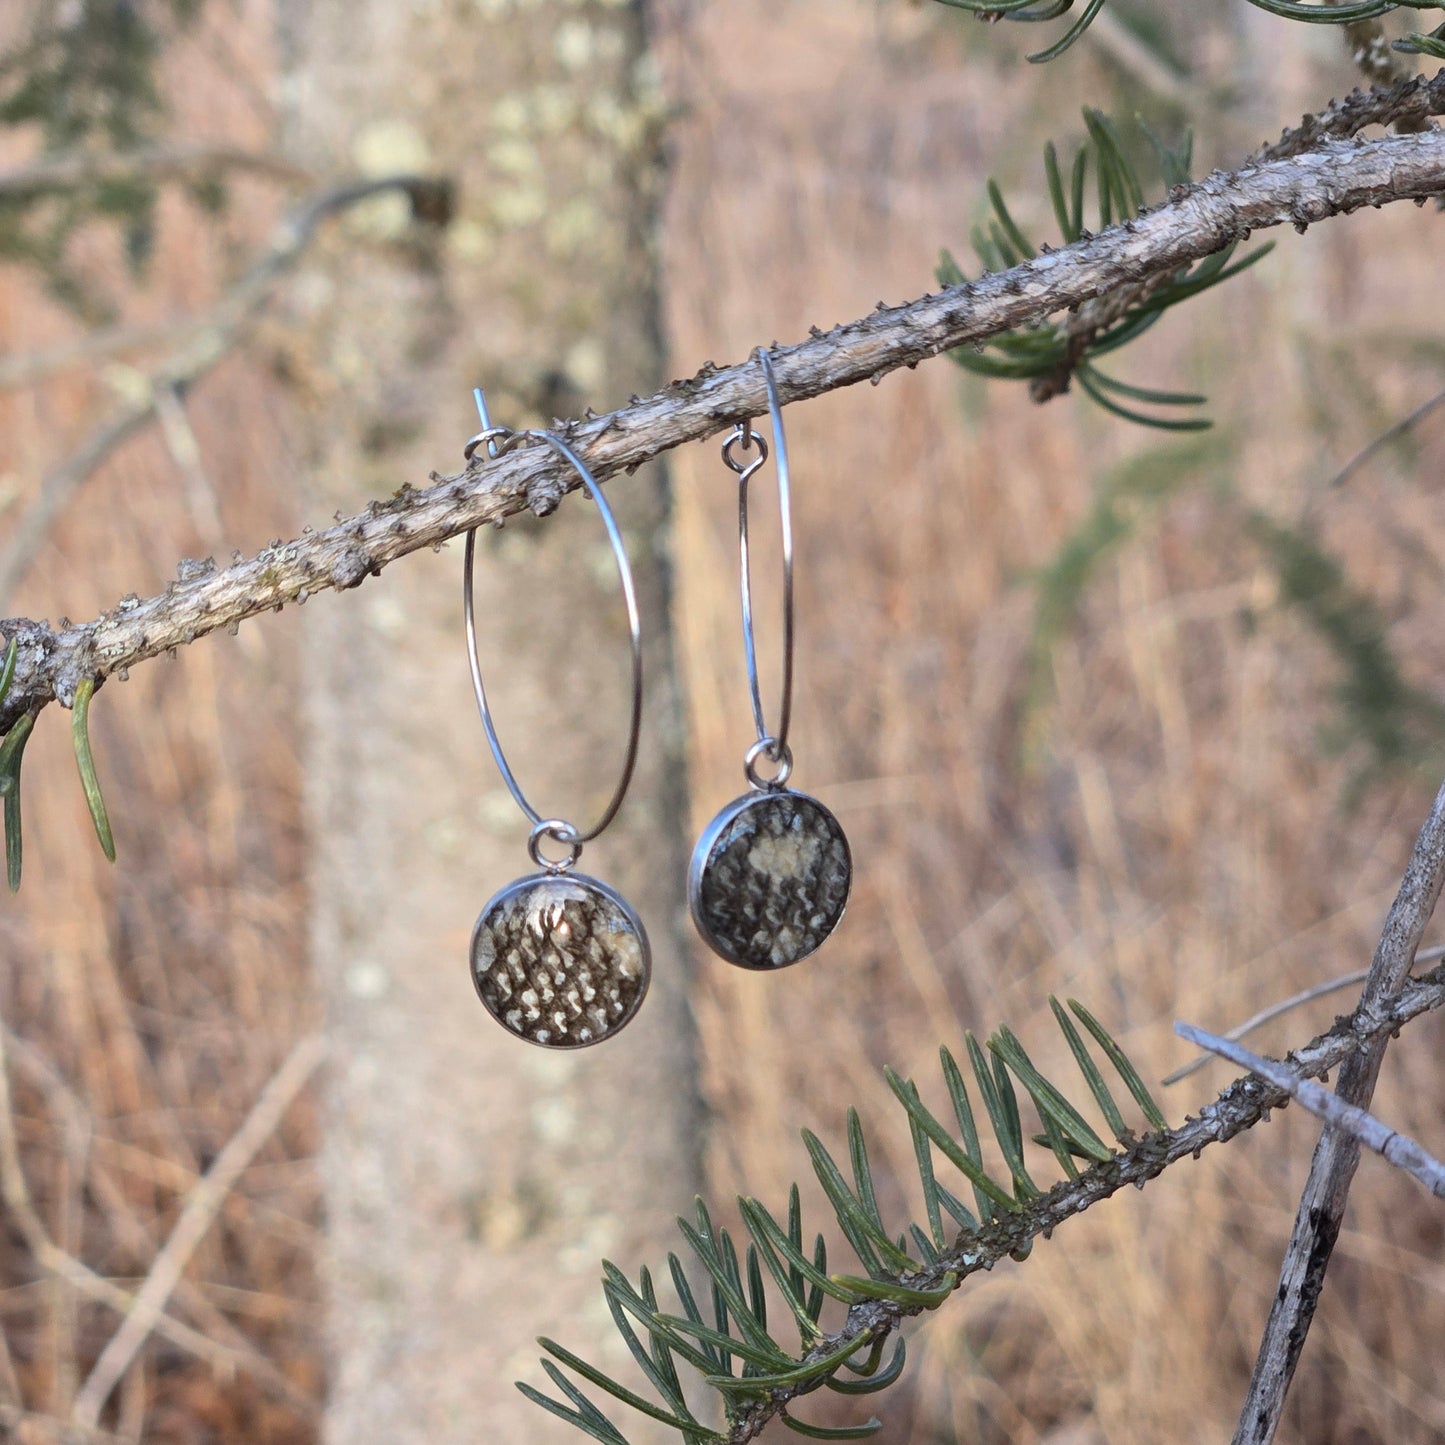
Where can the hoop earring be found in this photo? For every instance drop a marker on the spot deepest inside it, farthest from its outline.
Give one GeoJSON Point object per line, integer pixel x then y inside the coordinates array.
{"type": "Point", "coordinates": [558, 958]}
{"type": "Point", "coordinates": [769, 877]}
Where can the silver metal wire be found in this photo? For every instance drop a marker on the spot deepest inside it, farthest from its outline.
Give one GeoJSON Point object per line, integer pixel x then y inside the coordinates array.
{"type": "Point", "coordinates": [773, 742]}
{"type": "Point", "coordinates": [497, 440]}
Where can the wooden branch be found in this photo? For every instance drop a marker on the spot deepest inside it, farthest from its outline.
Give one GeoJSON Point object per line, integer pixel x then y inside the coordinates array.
{"type": "Point", "coordinates": [1410, 103]}
{"type": "Point", "coordinates": [1322, 1205]}
{"type": "Point", "coordinates": [65, 170]}
{"type": "Point", "coordinates": [1258, 1020]}
{"type": "Point", "coordinates": [213, 338]}
{"type": "Point", "coordinates": [1245, 1103]}
{"type": "Point", "coordinates": [1395, 1148]}
{"type": "Point", "coordinates": [1197, 220]}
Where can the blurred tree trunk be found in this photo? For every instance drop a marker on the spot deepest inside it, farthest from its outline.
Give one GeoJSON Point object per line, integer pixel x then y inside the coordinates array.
{"type": "Point", "coordinates": [460, 1167]}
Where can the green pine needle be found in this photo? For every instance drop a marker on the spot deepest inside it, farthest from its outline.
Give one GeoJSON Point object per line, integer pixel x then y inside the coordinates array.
{"type": "Point", "coordinates": [80, 736]}
{"type": "Point", "coordinates": [755, 1376]}
{"type": "Point", "coordinates": [1050, 354]}
{"type": "Point", "coordinates": [12, 753]}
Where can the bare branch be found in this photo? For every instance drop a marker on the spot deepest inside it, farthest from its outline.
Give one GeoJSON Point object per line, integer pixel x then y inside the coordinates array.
{"type": "Point", "coordinates": [1196, 221]}
{"type": "Point", "coordinates": [54, 1261]}
{"type": "Point", "coordinates": [198, 1213]}
{"type": "Point", "coordinates": [1245, 1103]}
{"type": "Point", "coordinates": [25, 368]}
{"type": "Point", "coordinates": [212, 339]}
{"type": "Point", "coordinates": [1258, 1020]}
{"type": "Point", "coordinates": [1407, 104]}
{"type": "Point", "coordinates": [1398, 1149]}
{"type": "Point", "coordinates": [1322, 1205]}
{"type": "Point", "coordinates": [63, 171]}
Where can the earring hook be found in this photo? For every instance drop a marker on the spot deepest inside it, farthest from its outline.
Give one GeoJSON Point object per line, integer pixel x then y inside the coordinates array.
{"type": "Point", "coordinates": [557, 829]}
{"type": "Point", "coordinates": [774, 744]}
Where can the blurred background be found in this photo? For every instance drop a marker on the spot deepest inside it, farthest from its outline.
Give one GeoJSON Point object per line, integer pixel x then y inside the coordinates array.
{"type": "Point", "coordinates": [1143, 719]}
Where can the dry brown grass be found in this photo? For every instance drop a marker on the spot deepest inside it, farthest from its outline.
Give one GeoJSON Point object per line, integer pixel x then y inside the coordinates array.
{"type": "Point", "coordinates": [1177, 845]}
{"type": "Point", "coordinates": [148, 1005]}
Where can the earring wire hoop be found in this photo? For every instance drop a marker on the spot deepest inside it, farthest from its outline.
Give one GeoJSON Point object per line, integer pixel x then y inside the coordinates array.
{"type": "Point", "coordinates": [555, 828]}
{"type": "Point", "coordinates": [775, 744]}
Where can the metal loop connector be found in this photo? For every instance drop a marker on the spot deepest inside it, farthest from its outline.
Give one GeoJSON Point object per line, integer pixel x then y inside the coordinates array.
{"type": "Point", "coordinates": [499, 440]}
{"type": "Point", "coordinates": [775, 752]}
{"type": "Point", "coordinates": [743, 435]}
{"type": "Point", "coordinates": [559, 831]}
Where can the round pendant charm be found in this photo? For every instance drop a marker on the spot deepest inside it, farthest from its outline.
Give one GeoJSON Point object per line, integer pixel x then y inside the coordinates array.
{"type": "Point", "coordinates": [769, 879]}
{"type": "Point", "coordinates": [560, 960]}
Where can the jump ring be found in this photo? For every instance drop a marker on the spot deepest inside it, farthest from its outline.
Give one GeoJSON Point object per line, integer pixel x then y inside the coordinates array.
{"type": "Point", "coordinates": [634, 628]}
{"type": "Point", "coordinates": [489, 435]}
{"type": "Point", "coordinates": [743, 435]}
{"type": "Point", "coordinates": [777, 740]}
{"type": "Point", "coordinates": [775, 752]}
{"type": "Point", "coordinates": [559, 831]}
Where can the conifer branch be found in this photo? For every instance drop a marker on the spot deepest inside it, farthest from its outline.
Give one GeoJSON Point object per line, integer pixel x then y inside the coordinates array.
{"type": "Point", "coordinates": [910, 1273]}
{"type": "Point", "coordinates": [1329, 179]}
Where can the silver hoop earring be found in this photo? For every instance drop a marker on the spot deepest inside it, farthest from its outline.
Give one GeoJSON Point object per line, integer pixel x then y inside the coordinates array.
{"type": "Point", "coordinates": [558, 958]}
{"type": "Point", "coordinates": [769, 877]}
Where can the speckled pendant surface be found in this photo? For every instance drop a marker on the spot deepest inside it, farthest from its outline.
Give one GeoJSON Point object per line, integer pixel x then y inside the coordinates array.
{"type": "Point", "coordinates": [769, 879]}
{"type": "Point", "coordinates": [560, 960]}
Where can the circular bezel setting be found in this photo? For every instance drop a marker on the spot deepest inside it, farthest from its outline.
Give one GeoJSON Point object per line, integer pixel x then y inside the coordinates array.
{"type": "Point", "coordinates": [560, 960]}
{"type": "Point", "coordinates": [769, 879]}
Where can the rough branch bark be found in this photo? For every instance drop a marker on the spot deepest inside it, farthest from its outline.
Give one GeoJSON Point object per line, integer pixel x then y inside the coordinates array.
{"type": "Point", "coordinates": [1331, 179]}
{"type": "Point", "coordinates": [1410, 104]}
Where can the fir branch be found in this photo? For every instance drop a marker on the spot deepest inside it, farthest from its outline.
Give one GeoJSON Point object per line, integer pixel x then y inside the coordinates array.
{"type": "Point", "coordinates": [1198, 220]}
{"type": "Point", "coordinates": [772, 1382]}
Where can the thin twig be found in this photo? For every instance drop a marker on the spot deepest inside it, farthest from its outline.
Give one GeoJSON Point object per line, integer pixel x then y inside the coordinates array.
{"type": "Point", "coordinates": [1254, 1021]}
{"type": "Point", "coordinates": [1410, 102]}
{"type": "Point", "coordinates": [1405, 424]}
{"type": "Point", "coordinates": [1196, 221]}
{"type": "Point", "coordinates": [1245, 1103]}
{"type": "Point", "coordinates": [185, 450]}
{"type": "Point", "coordinates": [25, 368]}
{"type": "Point", "coordinates": [200, 352]}
{"type": "Point", "coordinates": [1396, 1148]}
{"type": "Point", "coordinates": [197, 1215]}
{"type": "Point", "coordinates": [65, 170]}
{"type": "Point", "coordinates": [78, 1127]}
{"type": "Point", "coordinates": [1322, 1205]}
{"type": "Point", "coordinates": [1288, 1005]}
{"type": "Point", "coordinates": [56, 1263]}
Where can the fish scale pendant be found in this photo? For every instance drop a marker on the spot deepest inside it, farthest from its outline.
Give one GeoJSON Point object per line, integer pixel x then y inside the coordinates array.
{"type": "Point", "coordinates": [560, 959]}
{"type": "Point", "coordinates": [769, 879]}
